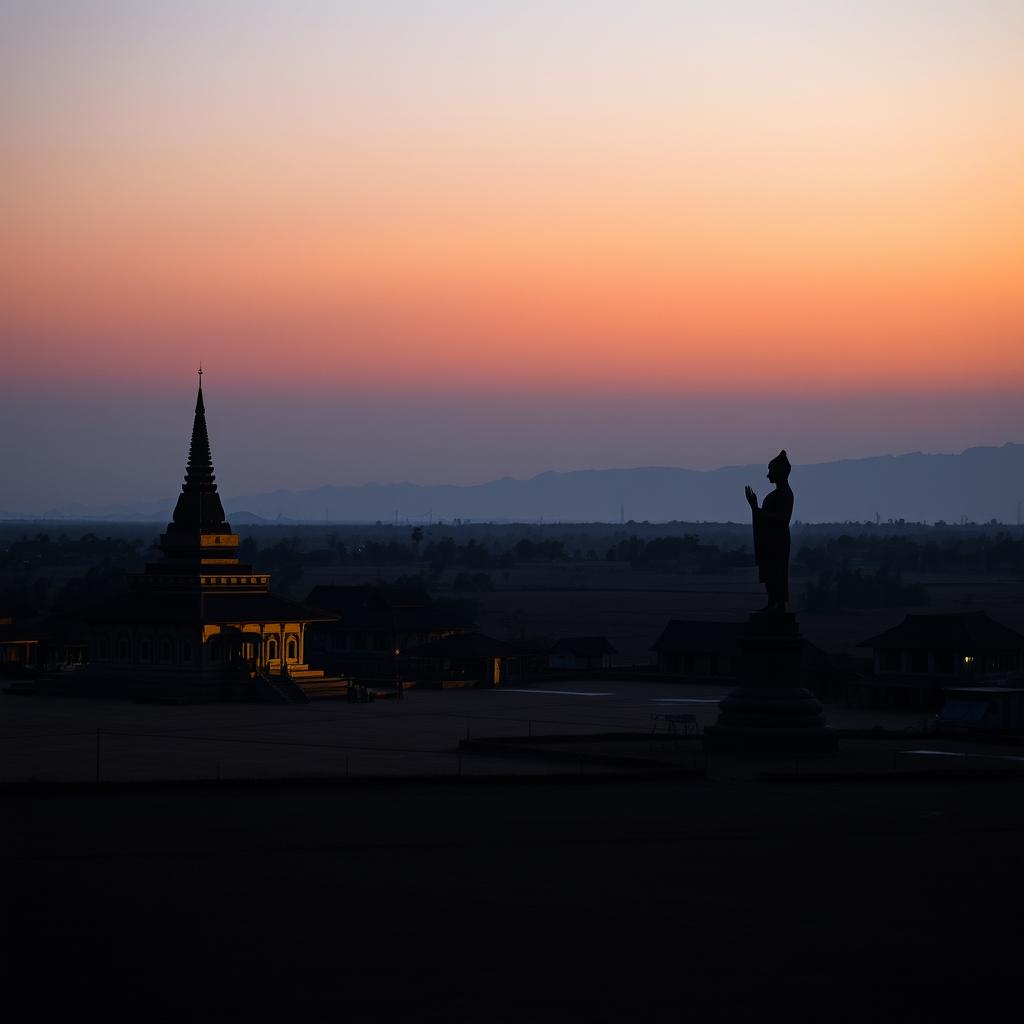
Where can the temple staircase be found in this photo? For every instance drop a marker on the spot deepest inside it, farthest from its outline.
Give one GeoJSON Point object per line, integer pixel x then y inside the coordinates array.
{"type": "Point", "coordinates": [278, 689]}
{"type": "Point", "coordinates": [315, 684]}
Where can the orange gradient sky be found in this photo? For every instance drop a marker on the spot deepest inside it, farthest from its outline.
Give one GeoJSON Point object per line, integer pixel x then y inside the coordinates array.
{"type": "Point", "coordinates": [650, 199]}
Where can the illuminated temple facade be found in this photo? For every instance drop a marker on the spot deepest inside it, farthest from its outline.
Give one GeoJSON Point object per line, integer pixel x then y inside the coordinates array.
{"type": "Point", "coordinates": [199, 622]}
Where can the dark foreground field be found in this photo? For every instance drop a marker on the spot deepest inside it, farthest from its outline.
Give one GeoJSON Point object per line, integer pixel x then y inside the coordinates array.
{"type": "Point", "coordinates": [518, 901]}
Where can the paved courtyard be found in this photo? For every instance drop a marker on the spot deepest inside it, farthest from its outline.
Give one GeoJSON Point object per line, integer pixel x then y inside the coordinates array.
{"type": "Point", "coordinates": [61, 739]}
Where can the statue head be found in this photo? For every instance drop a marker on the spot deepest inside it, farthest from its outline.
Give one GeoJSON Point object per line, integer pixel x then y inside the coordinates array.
{"type": "Point", "coordinates": [779, 467]}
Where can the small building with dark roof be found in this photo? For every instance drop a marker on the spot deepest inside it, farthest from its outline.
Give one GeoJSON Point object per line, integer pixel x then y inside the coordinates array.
{"type": "Point", "coordinates": [19, 646]}
{"type": "Point", "coordinates": [695, 649]}
{"type": "Point", "coordinates": [468, 659]}
{"type": "Point", "coordinates": [573, 653]}
{"type": "Point", "coordinates": [915, 660]}
{"type": "Point", "coordinates": [370, 626]}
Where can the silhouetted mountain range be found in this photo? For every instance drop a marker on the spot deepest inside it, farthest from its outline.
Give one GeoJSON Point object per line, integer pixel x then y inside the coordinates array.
{"type": "Point", "coordinates": [980, 483]}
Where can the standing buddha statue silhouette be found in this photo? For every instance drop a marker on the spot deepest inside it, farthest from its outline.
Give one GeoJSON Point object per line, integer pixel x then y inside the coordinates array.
{"type": "Point", "coordinates": [771, 533]}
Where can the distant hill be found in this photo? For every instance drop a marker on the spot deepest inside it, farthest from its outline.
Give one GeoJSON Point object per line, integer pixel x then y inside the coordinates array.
{"type": "Point", "coordinates": [980, 483]}
{"type": "Point", "coordinates": [243, 518]}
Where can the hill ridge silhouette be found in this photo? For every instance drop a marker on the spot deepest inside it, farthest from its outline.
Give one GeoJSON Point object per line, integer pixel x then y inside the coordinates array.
{"type": "Point", "coordinates": [982, 482]}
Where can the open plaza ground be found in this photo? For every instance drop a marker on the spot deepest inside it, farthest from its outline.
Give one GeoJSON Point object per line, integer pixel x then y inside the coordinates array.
{"type": "Point", "coordinates": [64, 739]}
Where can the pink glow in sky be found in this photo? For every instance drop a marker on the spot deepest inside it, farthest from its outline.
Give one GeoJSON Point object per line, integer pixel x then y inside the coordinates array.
{"type": "Point", "coordinates": [653, 228]}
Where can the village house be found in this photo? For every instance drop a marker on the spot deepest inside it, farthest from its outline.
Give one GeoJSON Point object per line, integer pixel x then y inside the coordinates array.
{"type": "Point", "coordinates": [576, 653]}
{"type": "Point", "coordinates": [470, 659]}
{"type": "Point", "coordinates": [370, 628]}
{"type": "Point", "coordinates": [692, 649]}
{"type": "Point", "coordinates": [699, 651]}
{"type": "Point", "coordinates": [18, 646]}
{"type": "Point", "coordinates": [914, 661]}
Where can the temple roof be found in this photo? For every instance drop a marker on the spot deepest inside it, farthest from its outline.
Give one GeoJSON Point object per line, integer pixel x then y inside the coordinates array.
{"type": "Point", "coordinates": [199, 508]}
{"type": "Point", "coordinates": [958, 632]}
{"type": "Point", "coordinates": [584, 646]}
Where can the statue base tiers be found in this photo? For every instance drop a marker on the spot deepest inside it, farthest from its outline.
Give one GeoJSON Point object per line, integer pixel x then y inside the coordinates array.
{"type": "Point", "coordinates": [769, 713]}
{"type": "Point", "coordinates": [770, 743]}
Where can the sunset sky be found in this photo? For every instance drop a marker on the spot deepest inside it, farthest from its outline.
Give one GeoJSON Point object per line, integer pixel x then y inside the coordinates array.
{"type": "Point", "coordinates": [446, 241]}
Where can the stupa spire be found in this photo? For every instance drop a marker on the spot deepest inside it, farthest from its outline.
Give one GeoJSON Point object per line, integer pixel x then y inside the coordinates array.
{"type": "Point", "coordinates": [199, 506]}
{"type": "Point", "coordinates": [199, 468]}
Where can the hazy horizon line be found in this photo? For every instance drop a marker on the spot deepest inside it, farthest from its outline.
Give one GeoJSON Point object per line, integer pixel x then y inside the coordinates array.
{"type": "Point", "coordinates": [18, 515]}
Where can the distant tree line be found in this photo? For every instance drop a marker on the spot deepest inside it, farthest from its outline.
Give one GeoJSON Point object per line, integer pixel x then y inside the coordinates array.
{"type": "Point", "coordinates": [663, 553]}
{"type": "Point", "coordinates": [685, 553]}
{"type": "Point", "coordinates": [29, 587]}
{"type": "Point", "coordinates": [977, 552]}
{"type": "Point", "coordinates": [28, 553]}
{"type": "Point", "coordinates": [857, 568]}
{"type": "Point", "coordinates": [439, 554]}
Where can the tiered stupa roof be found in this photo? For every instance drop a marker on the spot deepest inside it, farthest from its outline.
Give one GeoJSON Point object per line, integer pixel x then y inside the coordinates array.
{"type": "Point", "coordinates": [199, 579]}
{"type": "Point", "coordinates": [198, 546]}
{"type": "Point", "coordinates": [199, 508]}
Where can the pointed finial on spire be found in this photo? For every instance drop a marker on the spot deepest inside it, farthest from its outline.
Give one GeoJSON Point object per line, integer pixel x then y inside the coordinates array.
{"type": "Point", "coordinates": [199, 393]}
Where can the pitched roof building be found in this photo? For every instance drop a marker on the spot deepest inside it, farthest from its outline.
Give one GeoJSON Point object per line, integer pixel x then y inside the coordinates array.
{"type": "Point", "coordinates": [470, 659]}
{"type": "Point", "coordinates": [373, 626]}
{"type": "Point", "coordinates": [18, 646]}
{"type": "Point", "coordinates": [914, 661]}
{"type": "Point", "coordinates": [696, 650]}
{"type": "Point", "coordinates": [581, 652]}
{"type": "Point", "coordinates": [958, 644]}
{"type": "Point", "coordinates": [199, 621]}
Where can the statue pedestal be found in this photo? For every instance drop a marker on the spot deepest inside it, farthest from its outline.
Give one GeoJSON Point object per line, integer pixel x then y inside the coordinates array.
{"type": "Point", "coordinates": [770, 713]}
